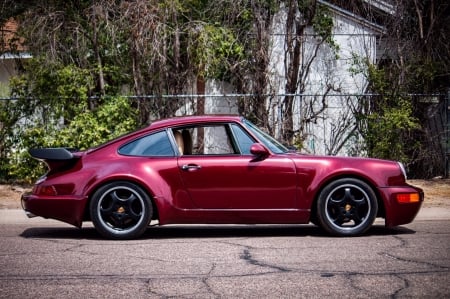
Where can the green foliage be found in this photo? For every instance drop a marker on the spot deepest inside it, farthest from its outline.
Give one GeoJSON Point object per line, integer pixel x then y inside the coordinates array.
{"type": "Point", "coordinates": [4, 90]}
{"type": "Point", "coordinates": [19, 166]}
{"type": "Point", "coordinates": [388, 123]}
{"type": "Point", "coordinates": [323, 26]}
{"type": "Point", "coordinates": [211, 48]}
{"type": "Point", "coordinates": [93, 127]}
{"type": "Point", "coordinates": [299, 141]}
{"type": "Point", "coordinates": [422, 75]}
{"type": "Point", "coordinates": [321, 20]}
{"type": "Point", "coordinates": [87, 129]}
{"type": "Point", "coordinates": [388, 132]}
{"type": "Point", "coordinates": [51, 109]}
{"type": "Point", "coordinates": [48, 88]}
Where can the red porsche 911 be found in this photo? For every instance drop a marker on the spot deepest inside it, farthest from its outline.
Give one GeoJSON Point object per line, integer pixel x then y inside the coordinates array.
{"type": "Point", "coordinates": [215, 170]}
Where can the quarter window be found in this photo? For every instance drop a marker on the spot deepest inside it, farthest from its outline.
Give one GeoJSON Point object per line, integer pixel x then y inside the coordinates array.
{"type": "Point", "coordinates": [157, 144]}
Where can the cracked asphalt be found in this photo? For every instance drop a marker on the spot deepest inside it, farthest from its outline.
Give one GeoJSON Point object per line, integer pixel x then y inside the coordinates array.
{"type": "Point", "coordinates": [48, 259]}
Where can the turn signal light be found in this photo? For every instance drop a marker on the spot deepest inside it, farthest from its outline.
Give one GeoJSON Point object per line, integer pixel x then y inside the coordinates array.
{"type": "Point", "coordinates": [408, 197]}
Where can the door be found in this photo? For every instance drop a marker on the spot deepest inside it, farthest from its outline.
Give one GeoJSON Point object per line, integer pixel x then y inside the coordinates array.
{"type": "Point", "coordinates": [217, 176]}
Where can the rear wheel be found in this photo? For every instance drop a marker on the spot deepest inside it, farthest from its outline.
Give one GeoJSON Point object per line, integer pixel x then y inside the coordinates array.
{"type": "Point", "coordinates": [121, 210]}
{"type": "Point", "coordinates": [347, 207]}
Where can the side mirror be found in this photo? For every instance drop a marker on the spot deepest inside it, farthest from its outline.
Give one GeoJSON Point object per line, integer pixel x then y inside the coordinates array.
{"type": "Point", "coordinates": [258, 150]}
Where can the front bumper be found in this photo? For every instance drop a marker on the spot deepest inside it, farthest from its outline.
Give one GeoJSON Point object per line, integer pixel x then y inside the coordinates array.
{"type": "Point", "coordinates": [397, 213]}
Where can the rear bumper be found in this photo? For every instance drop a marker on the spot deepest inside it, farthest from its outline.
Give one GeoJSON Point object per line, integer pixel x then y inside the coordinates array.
{"type": "Point", "coordinates": [69, 209]}
{"type": "Point", "coordinates": [400, 213]}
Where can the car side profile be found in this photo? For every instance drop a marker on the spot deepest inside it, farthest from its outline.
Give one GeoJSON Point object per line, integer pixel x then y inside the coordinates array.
{"type": "Point", "coordinates": [215, 170]}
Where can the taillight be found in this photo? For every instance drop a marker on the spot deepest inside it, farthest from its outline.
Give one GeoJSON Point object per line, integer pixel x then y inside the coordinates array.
{"type": "Point", "coordinates": [45, 190]}
{"type": "Point", "coordinates": [408, 197]}
{"type": "Point", "coordinates": [53, 190]}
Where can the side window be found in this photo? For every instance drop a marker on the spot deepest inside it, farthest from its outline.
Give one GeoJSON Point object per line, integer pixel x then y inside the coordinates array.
{"type": "Point", "coordinates": [157, 144]}
{"type": "Point", "coordinates": [243, 139]}
{"type": "Point", "coordinates": [205, 140]}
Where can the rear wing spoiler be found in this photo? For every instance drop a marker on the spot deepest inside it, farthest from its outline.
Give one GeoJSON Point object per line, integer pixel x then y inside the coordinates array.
{"type": "Point", "coordinates": [57, 153]}
{"type": "Point", "coordinates": [58, 158]}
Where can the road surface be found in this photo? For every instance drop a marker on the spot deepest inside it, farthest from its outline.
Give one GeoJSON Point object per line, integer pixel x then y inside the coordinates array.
{"type": "Point", "coordinates": [48, 259]}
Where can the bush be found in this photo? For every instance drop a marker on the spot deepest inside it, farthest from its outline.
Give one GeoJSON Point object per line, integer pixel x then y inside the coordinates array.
{"type": "Point", "coordinates": [87, 129]}
{"type": "Point", "coordinates": [389, 132]}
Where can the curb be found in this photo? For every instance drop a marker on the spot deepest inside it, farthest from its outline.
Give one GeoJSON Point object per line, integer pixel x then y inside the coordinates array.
{"type": "Point", "coordinates": [433, 213]}
{"type": "Point", "coordinates": [17, 216]}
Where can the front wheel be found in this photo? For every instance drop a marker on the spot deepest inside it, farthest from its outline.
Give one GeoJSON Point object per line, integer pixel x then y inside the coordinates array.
{"type": "Point", "coordinates": [121, 210]}
{"type": "Point", "coordinates": [347, 207]}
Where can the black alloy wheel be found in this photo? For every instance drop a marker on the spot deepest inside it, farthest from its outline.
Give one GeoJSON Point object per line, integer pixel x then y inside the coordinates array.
{"type": "Point", "coordinates": [121, 210]}
{"type": "Point", "coordinates": [347, 207]}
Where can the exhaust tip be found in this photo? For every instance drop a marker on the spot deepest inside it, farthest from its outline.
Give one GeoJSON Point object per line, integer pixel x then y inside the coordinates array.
{"type": "Point", "coordinates": [30, 215]}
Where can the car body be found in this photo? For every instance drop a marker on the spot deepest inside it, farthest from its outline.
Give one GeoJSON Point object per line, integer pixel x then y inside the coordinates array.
{"type": "Point", "coordinates": [215, 169]}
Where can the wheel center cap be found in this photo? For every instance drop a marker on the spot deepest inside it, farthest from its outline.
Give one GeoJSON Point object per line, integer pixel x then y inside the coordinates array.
{"type": "Point", "coordinates": [120, 210]}
{"type": "Point", "coordinates": [348, 207]}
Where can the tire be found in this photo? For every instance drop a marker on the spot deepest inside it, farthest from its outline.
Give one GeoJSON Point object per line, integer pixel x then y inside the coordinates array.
{"type": "Point", "coordinates": [121, 210]}
{"type": "Point", "coordinates": [347, 207]}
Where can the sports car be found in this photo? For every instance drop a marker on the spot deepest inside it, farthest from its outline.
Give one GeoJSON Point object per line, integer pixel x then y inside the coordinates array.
{"type": "Point", "coordinates": [215, 170]}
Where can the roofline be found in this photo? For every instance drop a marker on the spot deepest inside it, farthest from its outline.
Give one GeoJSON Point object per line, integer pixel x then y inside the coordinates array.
{"type": "Point", "coordinates": [345, 13]}
{"type": "Point", "coordinates": [183, 120]}
{"type": "Point", "coordinates": [382, 6]}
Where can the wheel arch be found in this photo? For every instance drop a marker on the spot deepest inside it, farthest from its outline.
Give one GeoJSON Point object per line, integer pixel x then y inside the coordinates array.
{"type": "Point", "coordinates": [381, 205]}
{"type": "Point", "coordinates": [93, 188]}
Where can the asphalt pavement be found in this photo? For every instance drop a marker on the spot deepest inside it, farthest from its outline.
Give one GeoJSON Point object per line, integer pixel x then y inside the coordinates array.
{"type": "Point", "coordinates": [50, 259]}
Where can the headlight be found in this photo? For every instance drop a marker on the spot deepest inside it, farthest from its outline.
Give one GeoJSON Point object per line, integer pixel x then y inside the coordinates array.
{"type": "Point", "coordinates": [402, 168]}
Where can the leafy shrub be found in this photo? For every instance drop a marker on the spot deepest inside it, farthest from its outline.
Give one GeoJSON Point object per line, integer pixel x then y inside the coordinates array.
{"type": "Point", "coordinates": [87, 129]}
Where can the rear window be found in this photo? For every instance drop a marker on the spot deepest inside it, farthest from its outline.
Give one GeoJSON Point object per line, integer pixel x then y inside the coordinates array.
{"type": "Point", "coordinates": [157, 144]}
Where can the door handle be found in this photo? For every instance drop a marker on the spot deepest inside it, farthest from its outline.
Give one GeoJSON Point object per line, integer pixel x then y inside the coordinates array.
{"type": "Point", "coordinates": [190, 167]}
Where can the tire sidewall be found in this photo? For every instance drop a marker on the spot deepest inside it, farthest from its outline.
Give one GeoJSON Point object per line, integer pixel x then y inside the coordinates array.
{"type": "Point", "coordinates": [111, 233]}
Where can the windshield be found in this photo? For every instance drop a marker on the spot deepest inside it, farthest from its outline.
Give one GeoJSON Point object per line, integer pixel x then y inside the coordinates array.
{"type": "Point", "coordinates": [271, 143]}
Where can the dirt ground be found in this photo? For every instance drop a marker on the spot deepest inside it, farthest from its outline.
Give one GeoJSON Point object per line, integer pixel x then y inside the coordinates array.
{"type": "Point", "coordinates": [437, 193]}
{"type": "Point", "coordinates": [10, 196]}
